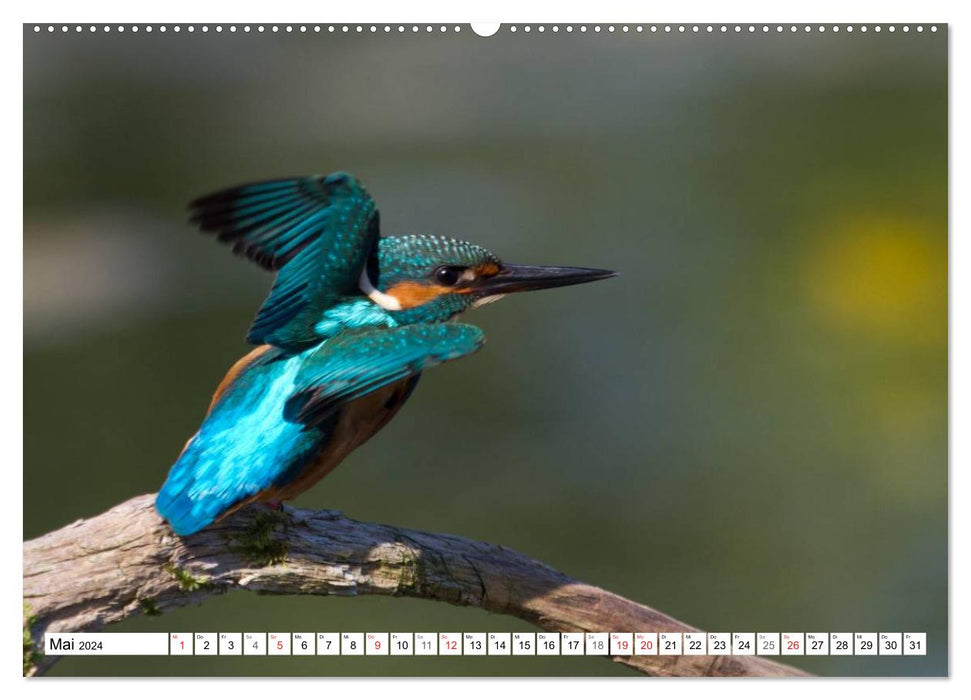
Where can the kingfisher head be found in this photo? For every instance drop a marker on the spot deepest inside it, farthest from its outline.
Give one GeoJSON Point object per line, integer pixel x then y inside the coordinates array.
{"type": "Point", "coordinates": [433, 278]}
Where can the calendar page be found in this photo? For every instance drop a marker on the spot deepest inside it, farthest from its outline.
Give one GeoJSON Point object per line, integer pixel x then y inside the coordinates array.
{"type": "Point", "coordinates": [711, 439]}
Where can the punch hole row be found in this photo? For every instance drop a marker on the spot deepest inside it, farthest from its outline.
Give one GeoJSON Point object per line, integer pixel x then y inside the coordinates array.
{"type": "Point", "coordinates": [442, 29]}
{"type": "Point", "coordinates": [717, 28]}
{"type": "Point", "coordinates": [250, 28]}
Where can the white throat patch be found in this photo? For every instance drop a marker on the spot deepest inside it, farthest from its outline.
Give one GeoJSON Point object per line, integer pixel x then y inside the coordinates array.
{"type": "Point", "coordinates": [385, 301]}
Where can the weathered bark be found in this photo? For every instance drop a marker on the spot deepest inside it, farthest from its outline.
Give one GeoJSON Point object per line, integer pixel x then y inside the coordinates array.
{"type": "Point", "coordinates": [127, 561]}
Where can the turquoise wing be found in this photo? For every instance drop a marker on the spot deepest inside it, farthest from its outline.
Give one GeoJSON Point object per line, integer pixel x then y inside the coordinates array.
{"type": "Point", "coordinates": [276, 416]}
{"type": "Point", "coordinates": [354, 364]}
{"type": "Point", "coordinates": [317, 232]}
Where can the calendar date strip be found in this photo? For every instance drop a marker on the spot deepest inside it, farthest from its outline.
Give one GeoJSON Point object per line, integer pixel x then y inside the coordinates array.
{"type": "Point", "coordinates": [127, 562]}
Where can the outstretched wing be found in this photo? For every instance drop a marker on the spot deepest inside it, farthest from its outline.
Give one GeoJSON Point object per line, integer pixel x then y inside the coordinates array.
{"type": "Point", "coordinates": [349, 366]}
{"type": "Point", "coordinates": [316, 231]}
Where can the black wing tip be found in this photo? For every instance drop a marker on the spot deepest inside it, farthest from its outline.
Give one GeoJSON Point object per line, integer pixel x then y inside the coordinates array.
{"type": "Point", "coordinates": [213, 211]}
{"type": "Point", "coordinates": [235, 190]}
{"type": "Point", "coordinates": [227, 194]}
{"type": "Point", "coordinates": [211, 214]}
{"type": "Point", "coordinates": [230, 236]}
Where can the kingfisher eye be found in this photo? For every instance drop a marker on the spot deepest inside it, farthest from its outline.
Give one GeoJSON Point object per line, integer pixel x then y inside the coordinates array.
{"type": "Point", "coordinates": [448, 276]}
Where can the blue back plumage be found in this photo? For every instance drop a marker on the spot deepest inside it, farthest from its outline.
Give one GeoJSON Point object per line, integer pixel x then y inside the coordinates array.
{"type": "Point", "coordinates": [275, 415]}
{"type": "Point", "coordinates": [243, 446]}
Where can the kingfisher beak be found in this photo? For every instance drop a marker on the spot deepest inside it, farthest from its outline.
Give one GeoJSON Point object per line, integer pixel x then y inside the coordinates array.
{"type": "Point", "coordinates": [526, 278]}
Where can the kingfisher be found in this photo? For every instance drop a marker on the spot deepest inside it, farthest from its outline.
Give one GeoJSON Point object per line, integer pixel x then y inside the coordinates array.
{"type": "Point", "coordinates": [352, 320]}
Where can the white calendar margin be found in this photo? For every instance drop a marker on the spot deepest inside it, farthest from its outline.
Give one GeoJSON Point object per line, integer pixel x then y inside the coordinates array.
{"type": "Point", "coordinates": [519, 11]}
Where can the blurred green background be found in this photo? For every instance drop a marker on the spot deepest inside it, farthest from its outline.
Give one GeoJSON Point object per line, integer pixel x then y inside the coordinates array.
{"type": "Point", "coordinates": [746, 430]}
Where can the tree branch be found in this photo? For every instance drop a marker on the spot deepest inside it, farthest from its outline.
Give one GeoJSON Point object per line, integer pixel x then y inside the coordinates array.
{"type": "Point", "coordinates": [127, 561]}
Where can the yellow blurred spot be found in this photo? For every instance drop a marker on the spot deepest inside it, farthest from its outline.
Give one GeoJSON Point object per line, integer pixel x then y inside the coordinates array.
{"type": "Point", "coordinates": [882, 275]}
